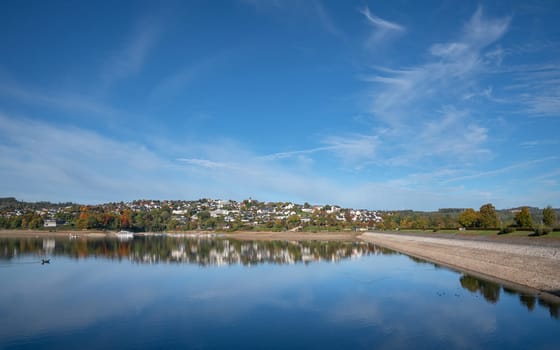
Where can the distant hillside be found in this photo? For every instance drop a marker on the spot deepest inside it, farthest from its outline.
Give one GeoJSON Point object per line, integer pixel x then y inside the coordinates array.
{"type": "Point", "coordinates": [507, 215]}
{"type": "Point", "coordinates": [8, 202]}
{"type": "Point", "coordinates": [11, 203]}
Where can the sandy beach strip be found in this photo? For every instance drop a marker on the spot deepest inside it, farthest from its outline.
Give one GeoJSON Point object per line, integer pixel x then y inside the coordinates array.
{"type": "Point", "coordinates": [533, 266]}
{"type": "Point", "coordinates": [44, 233]}
{"type": "Point", "coordinates": [240, 235]}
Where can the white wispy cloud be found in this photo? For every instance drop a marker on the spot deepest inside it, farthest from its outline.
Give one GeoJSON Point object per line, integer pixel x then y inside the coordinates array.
{"type": "Point", "coordinates": [486, 94]}
{"type": "Point", "coordinates": [43, 161]}
{"type": "Point", "coordinates": [537, 88]}
{"type": "Point", "coordinates": [382, 29]}
{"type": "Point", "coordinates": [59, 100]}
{"type": "Point", "coordinates": [530, 47]}
{"type": "Point", "coordinates": [244, 174]}
{"type": "Point", "coordinates": [312, 9]}
{"type": "Point", "coordinates": [176, 83]}
{"type": "Point", "coordinates": [289, 154]}
{"type": "Point", "coordinates": [205, 163]}
{"type": "Point", "coordinates": [242, 179]}
{"type": "Point", "coordinates": [550, 180]}
{"type": "Point", "coordinates": [381, 23]}
{"type": "Point", "coordinates": [326, 20]}
{"type": "Point", "coordinates": [351, 149]}
{"type": "Point", "coordinates": [482, 31]}
{"type": "Point", "coordinates": [425, 107]}
{"type": "Point", "coordinates": [501, 170]}
{"type": "Point", "coordinates": [131, 57]}
{"type": "Point", "coordinates": [40, 160]}
{"type": "Point", "coordinates": [451, 138]}
{"type": "Point", "coordinates": [239, 172]}
{"type": "Point", "coordinates": [453, 134]}
{"type": "Point", "coordinates": [452, 72]}
{"type": "Point", "coordinates": [537, 143]}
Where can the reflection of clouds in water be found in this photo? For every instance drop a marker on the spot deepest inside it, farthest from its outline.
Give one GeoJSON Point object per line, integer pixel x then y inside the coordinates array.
{"type": "Point", "coordinates": [399, 268]}
{"type": "Point", "coordinates": [401, 317]}
{"type": "Point", "coordinates": [386, 301]}
{"type": "Point", "coordinates": [361, 310]}
{"type": "Point", "coordinates": [455, 320]}
{"type": "Point", "coordinates": [460, 322]}
{"type": "Point", "coordinates": [42, 304]}
{"type": "Point", "coordinates": [382, 302]}
{"type": "Point", "coordinates": [235, 293]}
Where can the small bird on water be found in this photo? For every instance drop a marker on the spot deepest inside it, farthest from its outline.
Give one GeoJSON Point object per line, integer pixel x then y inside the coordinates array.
{"type": "Point", "coordinates": [45, 261]}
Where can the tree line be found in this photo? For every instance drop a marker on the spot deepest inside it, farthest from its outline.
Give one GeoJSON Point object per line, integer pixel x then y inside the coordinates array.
{"type": "Point", "coordinates": [486, 218]}
{"type": "Point", "coordinates": [114, 217]}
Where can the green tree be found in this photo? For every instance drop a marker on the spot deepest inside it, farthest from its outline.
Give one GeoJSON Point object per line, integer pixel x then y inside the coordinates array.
{"type": "Point", "coordinates": [92, 221]}
{"type": "Point", "coordinates": [16, 222]}
{"type": "Point", "coordinates": [549, 216]}
{"type": "Point", "coordinates": [139, 221]}
{"type": "Point", "coordinates": [332, 221]}
{"type": "Point", "coordinates": [469, 218]}
{"type": "Point", "coordinates": [421, 222]}
{"type": "Point", "coordinates": [293, 221]}
{"type": "Point", "coordinates": [523, 218]}
{"type": "Point", "coordinates": [204, 215]}
{"type": "Point", "coordinates": [203, 218]}
{"type": "Point", "coordinates": [488, 216]}
{"type": "Point", "coordinates": [279, 225]}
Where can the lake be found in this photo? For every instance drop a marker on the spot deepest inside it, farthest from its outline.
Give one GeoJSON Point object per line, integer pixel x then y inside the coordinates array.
{"type": "Point", "coordinates": [161, 292]}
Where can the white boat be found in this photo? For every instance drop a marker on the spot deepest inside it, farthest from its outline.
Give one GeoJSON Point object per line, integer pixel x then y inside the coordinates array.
{"type": "Point", "coordinates": [125, 235]}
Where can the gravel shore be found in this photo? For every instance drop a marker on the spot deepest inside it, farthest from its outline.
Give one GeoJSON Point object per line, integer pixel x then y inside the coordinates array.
{"type": "Point", "coordinates": [533, 266]}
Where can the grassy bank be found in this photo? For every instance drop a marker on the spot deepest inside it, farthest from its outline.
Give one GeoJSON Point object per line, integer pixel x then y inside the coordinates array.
{"type": "Point", "coordinates": [554, 234]}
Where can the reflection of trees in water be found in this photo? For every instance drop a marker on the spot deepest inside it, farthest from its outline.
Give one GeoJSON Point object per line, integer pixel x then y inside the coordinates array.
{"type": "Point", "coordinates": [553, 308]}
{"type": "Point", "coordinates": [491, 293]}
{"type": "Point", "coordinates": [528, 300]}
{"type": "Point", "coordinates": [419, 261]}
{"type": "Point", "coordinates": [195, 251]}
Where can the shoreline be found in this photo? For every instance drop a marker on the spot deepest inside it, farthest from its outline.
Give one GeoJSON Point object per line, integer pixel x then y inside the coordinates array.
{"type": "Point", "coordinates": [239, 235]}
{"type": "Point", "coordinates": [533, 268]}
{"type": "Point", "coordinates": [41, 233]}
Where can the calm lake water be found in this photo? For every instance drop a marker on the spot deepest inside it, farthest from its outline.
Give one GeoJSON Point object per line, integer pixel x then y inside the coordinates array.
{"type": "Point", "coordinates": [163, 293]}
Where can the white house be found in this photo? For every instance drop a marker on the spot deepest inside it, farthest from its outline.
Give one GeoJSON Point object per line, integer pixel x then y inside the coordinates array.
{"type": "Point", "coordinates": [50, 223]}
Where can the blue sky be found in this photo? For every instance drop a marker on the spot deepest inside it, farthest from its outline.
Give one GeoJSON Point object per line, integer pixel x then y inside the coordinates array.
{"type": "Point", "coordinates": [366, 104]}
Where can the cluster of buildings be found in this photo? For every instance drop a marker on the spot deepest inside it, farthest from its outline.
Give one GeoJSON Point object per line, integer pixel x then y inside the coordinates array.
{"type": "Point", "coordinates": [46, 212]}
{"type": "Point", "coordinates": [249, 212]}
{"type": "Point", "coordinates": [252, 212]}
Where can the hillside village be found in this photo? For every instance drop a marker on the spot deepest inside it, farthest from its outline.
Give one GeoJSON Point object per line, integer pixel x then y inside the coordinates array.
{"type": "Point", "coordinates": [206, 214]}
{"type": "Point", "coordinates": [251, 214]}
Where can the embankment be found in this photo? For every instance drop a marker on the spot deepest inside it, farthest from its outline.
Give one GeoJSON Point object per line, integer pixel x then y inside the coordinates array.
{"type": "Point", "coordinates": [533, 266]}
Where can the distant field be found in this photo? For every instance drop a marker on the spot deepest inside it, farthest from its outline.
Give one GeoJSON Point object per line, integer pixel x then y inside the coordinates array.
{"type": "Point", "coordinates": [482, 233]}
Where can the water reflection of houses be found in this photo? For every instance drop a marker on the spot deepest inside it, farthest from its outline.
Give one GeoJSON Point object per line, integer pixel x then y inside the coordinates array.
{"type": "Point", "coordinates": [225, 252]}
{"type": "Point", "coordinates": [205, 251]}
{"type": "Point", "coordinates": [49, 245]}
